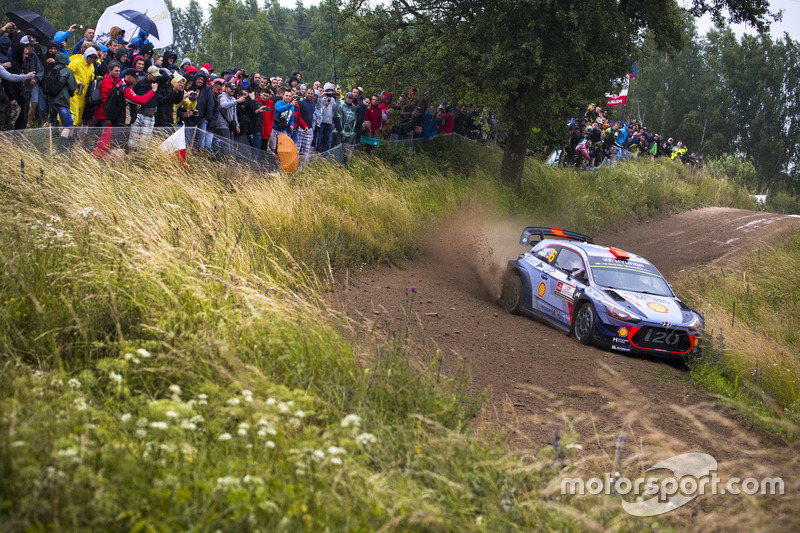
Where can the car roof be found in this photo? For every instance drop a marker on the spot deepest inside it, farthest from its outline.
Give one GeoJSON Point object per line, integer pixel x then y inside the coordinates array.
{"type": "Point", "coordinates": [594, 250]}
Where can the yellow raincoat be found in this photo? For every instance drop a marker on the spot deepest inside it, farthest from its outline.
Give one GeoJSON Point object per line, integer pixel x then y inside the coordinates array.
{"type": "Point", "coordinates": [84, 72]}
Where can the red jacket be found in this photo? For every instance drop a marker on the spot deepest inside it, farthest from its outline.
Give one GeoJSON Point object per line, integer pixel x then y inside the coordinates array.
{"type": "Point", "coordinates": [375, 117]}
{"type": "Point", "coordinates": [268, 117]}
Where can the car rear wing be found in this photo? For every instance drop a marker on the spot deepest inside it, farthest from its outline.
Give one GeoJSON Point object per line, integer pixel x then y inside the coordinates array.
{"type": "Point", "coordinates": [527, 233]}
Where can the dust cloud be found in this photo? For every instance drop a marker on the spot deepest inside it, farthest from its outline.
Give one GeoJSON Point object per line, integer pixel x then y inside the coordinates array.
{"type": "Point", "coordinates": [476, 246]}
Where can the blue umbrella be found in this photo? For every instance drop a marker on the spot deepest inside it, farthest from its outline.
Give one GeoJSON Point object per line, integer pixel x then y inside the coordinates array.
{"type": "Point", "coordinates": [141, 20]}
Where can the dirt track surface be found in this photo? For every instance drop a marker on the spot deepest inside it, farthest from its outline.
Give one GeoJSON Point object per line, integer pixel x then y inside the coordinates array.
{"type": "Point", "coordinates": [535, 375]}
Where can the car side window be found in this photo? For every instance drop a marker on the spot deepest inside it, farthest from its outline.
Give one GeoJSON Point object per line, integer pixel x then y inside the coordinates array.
{"type": "Point", "coordinates": [548, 254]}
{"type": "Point", "coordinates": [570, 261]}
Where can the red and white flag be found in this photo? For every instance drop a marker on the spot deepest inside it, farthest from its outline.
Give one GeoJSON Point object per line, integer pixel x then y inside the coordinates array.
{"type": "Point", "coordinates": [176, 144]}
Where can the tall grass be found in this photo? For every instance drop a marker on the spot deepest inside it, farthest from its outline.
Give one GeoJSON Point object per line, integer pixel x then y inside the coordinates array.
{"type": "Point", "coordinates": [753, 326]}
{"type": "Point", "coordinates": [168, 362]}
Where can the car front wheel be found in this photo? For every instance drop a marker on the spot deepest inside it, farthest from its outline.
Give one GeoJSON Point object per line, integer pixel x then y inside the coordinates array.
{"type": "Point", "coordinates": [512, 291]}
{"type": "Point", "coordinates": [584, 323]}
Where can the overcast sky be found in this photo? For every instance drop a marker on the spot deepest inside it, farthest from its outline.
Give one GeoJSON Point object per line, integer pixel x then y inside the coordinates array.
{"type": "Point", "coordinates": [790, 22]}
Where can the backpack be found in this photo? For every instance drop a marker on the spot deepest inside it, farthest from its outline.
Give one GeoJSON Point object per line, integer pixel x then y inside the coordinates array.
{"type": "Point", "coordinates": [114, 107]}
{"type": "Point", "coordinates": [95, 98]}
{"type": "Point", "coordinates": [51, 82]}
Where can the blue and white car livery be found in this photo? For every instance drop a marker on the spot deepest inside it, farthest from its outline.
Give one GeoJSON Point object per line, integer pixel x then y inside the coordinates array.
{"type": "Point", "coordinates": [601, 295]}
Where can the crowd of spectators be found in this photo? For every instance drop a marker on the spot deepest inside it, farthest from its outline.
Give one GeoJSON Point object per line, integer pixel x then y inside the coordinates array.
{"type": "Point", "coordinates": [595, 140]}
{"type": "Point", "coordinates": [123, 83]}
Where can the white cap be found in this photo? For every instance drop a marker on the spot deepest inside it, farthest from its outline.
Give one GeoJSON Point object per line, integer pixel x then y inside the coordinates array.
{"type": "Point", "coordinates": [90, 52]}
{"type": "Point", "coordinates": [329, 86]}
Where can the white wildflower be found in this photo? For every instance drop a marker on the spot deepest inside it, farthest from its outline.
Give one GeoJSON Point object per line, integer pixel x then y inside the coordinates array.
{"type": "Point", "coordinates": [246, 392]}
{"type": "Point", "coordinates": [85, 212]}
{"type": "Point", "coordinates": [366, 438]}
{"type": "Point", "coordinates": [244, 425]}
{"type": "Point", "coordinates": [18, 444]}
{"type": "Point", "coordinates": [197, 419]}
{"type": "Point", "coordinates": [336, 461]}
{"type": "Point", "coordinates": [143, 353]}
{"type": "Point", "coordinates": [188, 425]}
{"type": "Point", "coordinates": [574, 446]}
{"type": "Point", "coordinates": [158, 425]}
{"type": "Point", "coordinates": [262, 434]}
{"type": "Point", "coordinates": [351, 421]}
{"type": "Point", "coordinates": [74, 383]}
{"type": "Point", "coordinates": [283, 408]}
{"type": "Point", "coordinates": [113, 376]}
{"type": "Point", "coordinates": [142, 422]}
{"type": "Point", "coordinates": [67, 452]}
{"type": "Point", "coordinates": [202, 396]}
{"type": "Point", "coordinates": [271, 401]}
{"type": "Point", "coordinates": [233, 401]}
{"type": "Point", "coordinates": [228, 482]}
{"type": "Point", "coordinates": [319, 455]}
{"type": "Point", "coordinates": [80, 404]}
{"type": "Point", "coordinates": [299, 414]}
{"type": "Point", "coordinates": [295, 422]}
{"type": "Point", "coordinates": [335, 450]}
{"type": "Point", "coordinates": [125, 417]}
{"type": "Point", "coordinates": [269, 444]}
{"type": "Point", "coordinates": [172, 414]}
{"type": "Point", "coordinates": [242, 432]}
{"type": "Point", "coordinates": [175, 389]}
{"type": "Point", "coordinates": [224, 437]}
{"type": "Point", "coordinates": [141, 433]}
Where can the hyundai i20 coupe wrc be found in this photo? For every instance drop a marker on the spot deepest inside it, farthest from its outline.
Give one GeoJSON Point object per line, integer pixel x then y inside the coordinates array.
{"type": "Point", "coordinates": [600, 295]}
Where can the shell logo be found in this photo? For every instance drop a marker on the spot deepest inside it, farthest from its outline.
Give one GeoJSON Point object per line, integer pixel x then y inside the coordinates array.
{"type": "Point", "coordinates": [657, 307]}
{"type": "Point", "coordinates": [542, 289]}
{"type": "Point", "coordinates": [623, 332]}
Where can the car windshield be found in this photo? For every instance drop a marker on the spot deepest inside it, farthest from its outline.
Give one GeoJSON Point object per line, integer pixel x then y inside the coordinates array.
{"type": "Point", "coordinates": [631, 275]}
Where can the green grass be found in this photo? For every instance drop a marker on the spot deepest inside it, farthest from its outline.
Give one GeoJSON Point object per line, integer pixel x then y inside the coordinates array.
{"type": "Point", "coordinates": [146, 315]}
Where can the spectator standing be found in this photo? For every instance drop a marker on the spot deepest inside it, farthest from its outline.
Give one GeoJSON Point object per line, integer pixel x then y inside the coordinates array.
{"type": "Point", "coordinates": [308, 106]}
{"type": "Point", "coordinates": [88, 37]}
{"type": "Point", "coordinates": [13, 81]}
{"type": "Point", "coordinates": [228, 121]}
{"type": "Point", "coordinates": [83, 68]}
{"type": "Point", "coordinates": [168, 96]}
{"type": "Point", "coordinates": [329, 108]}
{"type": "Point", "coordinates": [142, 127]}
{"type": "Point", "coordinates": [207, 107]}
{"type": "Point", "coordinates": [374, 115]}
{"type": "Point", "coordinates": [59, 105]}
{"type": "Point", "coordinates": [108, 83]}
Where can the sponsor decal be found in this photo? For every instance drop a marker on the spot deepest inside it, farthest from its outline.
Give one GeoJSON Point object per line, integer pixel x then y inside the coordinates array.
{"type": "Point", "coordinates": [542, 289]}
{"type": "Point", "coordinates": [551, 256]}
{"type": "Point", "coordinates": [565, 290]}
{"type": "Point", "coordinates": [621, 341]}
{"type": "Point", "coordinates": [620, 348]}
{"type": "Point", "coordinates": [657, 307]}
{"type": "Point", "coordinates": [623, 332]}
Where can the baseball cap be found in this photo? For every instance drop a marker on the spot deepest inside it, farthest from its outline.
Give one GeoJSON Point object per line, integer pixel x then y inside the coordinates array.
{"type": "Point", "coordinates": [349, 95]}
{"type": "Point", "coordinates": [230, 85]}
{"type": "Point", "coordinates": [329, 86]}
{"type": "Point", "coordinates": [153, 70]}
{"type": "Point", "coordinates": [208, 67]}
{"type": "Point", "coordinates": [217, 81]}
{"type": "Point", "coordinates": [131, 72]}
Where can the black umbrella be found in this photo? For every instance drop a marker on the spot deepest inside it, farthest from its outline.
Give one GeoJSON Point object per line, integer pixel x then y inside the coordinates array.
{"type": "Point", "coordinates": [141, 20]}
{"type": "Point", "coordinates": [28, 20]}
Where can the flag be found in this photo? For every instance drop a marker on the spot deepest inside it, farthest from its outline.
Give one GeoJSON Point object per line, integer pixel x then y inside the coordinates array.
{"type": "Point", "coordinates": [104, 144]}
{"type": "Point", "coordinates": [287, 154]}
{"type": "Point", "coordinates": [620, 98]}
{"type": "Point", "coordinates": [176, 144]}
{"type": "Point", "coordinates": [157, 10]}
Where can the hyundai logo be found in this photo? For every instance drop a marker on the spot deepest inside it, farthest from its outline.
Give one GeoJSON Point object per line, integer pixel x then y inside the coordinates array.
{"type": "Point", "coordinates": [666, 324]}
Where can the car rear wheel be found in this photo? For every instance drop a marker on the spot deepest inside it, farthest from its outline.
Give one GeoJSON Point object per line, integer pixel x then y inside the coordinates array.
{"type": "Point", "coordinates": [585, 319]}
{"type": "Point", "coordinates": [512, 291]}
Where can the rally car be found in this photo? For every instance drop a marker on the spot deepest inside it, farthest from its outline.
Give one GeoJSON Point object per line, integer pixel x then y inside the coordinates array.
{"type": "Point", "coordinates": [601, 295]}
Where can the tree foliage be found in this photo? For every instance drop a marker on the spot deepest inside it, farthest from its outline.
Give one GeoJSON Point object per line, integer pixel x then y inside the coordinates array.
{"type": "Point", "coordinates": [720, 94]}
{"type": "Point", "coordinates": [528, 59]}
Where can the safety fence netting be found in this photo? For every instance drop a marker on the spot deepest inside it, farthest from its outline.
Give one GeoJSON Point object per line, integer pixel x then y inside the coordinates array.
{"type": "Point", "coordinates": [118, 143]}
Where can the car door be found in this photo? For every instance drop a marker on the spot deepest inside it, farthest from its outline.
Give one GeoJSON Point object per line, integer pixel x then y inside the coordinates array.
{"type": "Point", "coordinates": [544, 284]}
{"type": "Point", "coordinates": [562, 284]}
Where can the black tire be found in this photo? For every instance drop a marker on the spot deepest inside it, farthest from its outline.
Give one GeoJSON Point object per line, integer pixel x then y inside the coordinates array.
{"type": "Point", "coordinates": [512, 291]}
{"type": "Point", "coordinates": [583, 327]}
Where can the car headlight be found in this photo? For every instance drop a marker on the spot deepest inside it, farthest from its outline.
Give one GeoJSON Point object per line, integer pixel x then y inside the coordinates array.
{"type": "Point", "coordinates": [695, 323]}
{"type": "Point", "coordinates": [621, 314]}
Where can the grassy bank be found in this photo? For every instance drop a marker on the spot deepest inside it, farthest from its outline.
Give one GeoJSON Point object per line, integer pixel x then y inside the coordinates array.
{"type": "Point", "coordinates": [168, 362]}
{"type": "Point", "coordinates": [753, 332]}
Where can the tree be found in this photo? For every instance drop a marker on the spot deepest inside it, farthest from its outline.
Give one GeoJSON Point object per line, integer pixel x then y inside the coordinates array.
{"type": "Point", "coordinates": [527, 59]}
